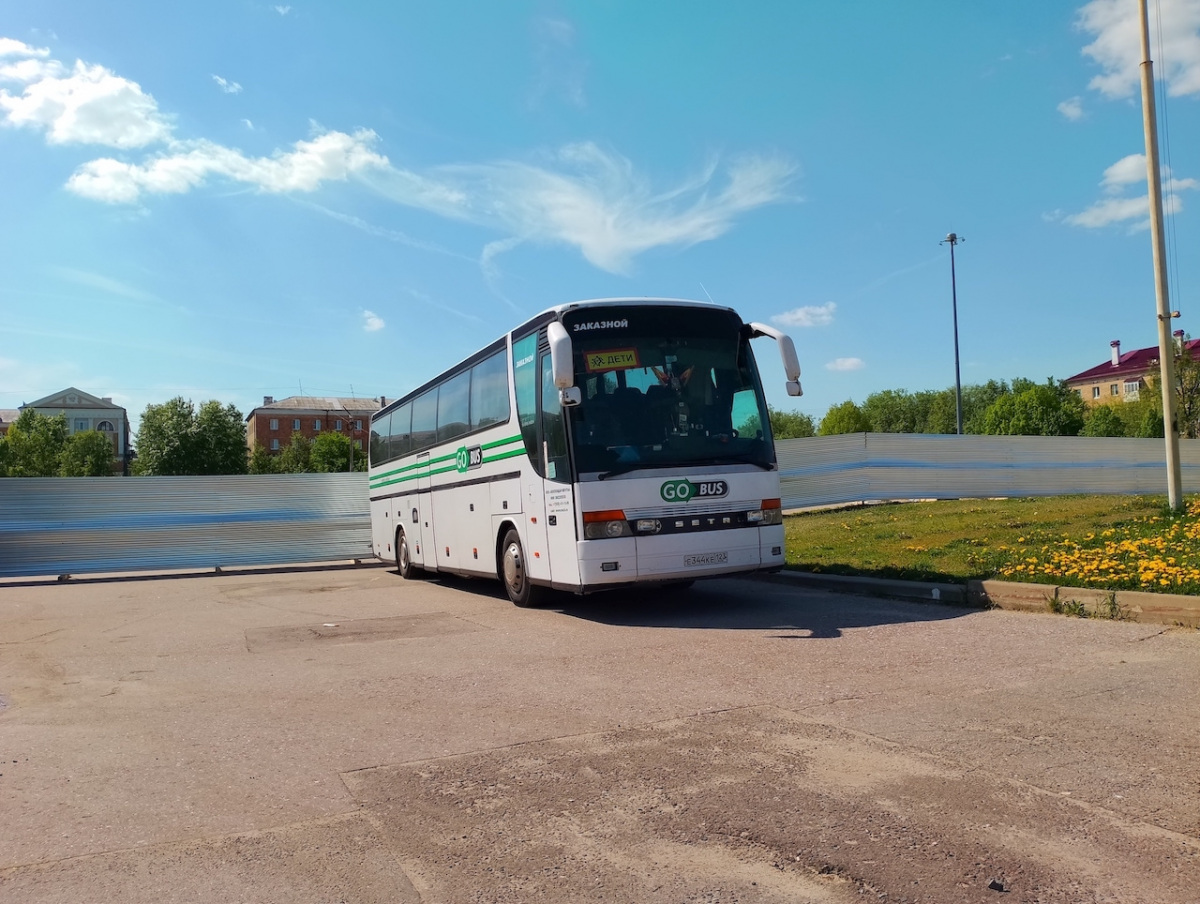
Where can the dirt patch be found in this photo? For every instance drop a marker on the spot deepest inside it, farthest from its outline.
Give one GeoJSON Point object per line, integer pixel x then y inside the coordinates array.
{"type": "Point", "coordinates": [361, 630]}
{"type": "Point", "coordinates": [754, 805]}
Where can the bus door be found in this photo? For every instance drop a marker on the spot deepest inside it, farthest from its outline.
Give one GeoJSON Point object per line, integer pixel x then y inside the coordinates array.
{"type": "Point", "coordinates": [424, 539]}
{"type": "Point", "coordinates": [557, 492]}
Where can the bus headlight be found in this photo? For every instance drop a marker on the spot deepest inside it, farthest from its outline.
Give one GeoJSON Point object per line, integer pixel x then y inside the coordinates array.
{"type": "Point", "coordinates": [605, 525]}
{"type": "Point", "coordinates": [770, 513]}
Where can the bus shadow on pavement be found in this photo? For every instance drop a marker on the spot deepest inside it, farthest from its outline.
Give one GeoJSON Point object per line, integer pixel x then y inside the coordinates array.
{"type": "Point", "coordinates": [748, 605]}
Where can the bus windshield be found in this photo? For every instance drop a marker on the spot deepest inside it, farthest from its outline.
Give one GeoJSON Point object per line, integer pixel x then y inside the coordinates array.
{"type": "Point", "coordinates": [666, 386]}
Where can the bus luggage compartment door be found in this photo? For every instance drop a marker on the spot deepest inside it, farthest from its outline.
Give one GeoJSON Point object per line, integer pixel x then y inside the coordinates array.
{"type": "Point", "coordinates": [422, 541]}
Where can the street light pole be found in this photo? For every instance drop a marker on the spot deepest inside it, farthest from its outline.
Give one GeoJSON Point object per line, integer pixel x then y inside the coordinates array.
{"type": "Point", "coordinates": [952, 239]}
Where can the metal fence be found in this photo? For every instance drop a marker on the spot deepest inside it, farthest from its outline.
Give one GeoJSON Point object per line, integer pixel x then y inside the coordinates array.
{"type": "Point", "coordinates": [55, 526]}
{"type": "Point", "coordinates": [866, 467]}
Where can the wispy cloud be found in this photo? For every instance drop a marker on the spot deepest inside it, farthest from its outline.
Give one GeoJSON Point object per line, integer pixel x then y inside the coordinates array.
{"type": "Point", "coordinates": [109, 286]}
{"type": "Point", "coordinates": [1071, 109]}
{"type": "Point", "coordinates": [282, 10]}
{"type": "Point", "coordinates": [1133, 210]}
{"type": "Point", "coordinates": [580, 195]}
{"type": "Point", "coordinates": [1115, 27]}
{"type": "Point", "coordinates": [227, 86]}
{"type": "Point", "coordinates": [846, 364]}
{"type": "Point", "coordinates": [331, 156]}
{"type": "Point", "coordinates": [382, 232]}
{"type": "Point", "coordinates": [809, 315]}
{"type": "Point", "coordinates": [560, 71]}
{"type": "Point", "coordinates": [372, 322]}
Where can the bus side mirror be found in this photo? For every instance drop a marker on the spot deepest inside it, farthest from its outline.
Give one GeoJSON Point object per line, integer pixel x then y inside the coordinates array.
{"type": "Point", "coordinates": [570, 397]}
{"type": "Point", "coordinates": [787, 351]}
{"type": "Point", "coordinates": [562, 363]}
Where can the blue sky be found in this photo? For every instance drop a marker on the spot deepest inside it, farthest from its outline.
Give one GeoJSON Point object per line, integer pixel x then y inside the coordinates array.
{"type": "Point", "coordinates": [238, 199]}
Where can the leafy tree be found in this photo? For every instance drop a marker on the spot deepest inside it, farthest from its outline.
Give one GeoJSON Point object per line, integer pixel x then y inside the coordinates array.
{"type": "Point", "coordinates": [262, 461]}
{"type": "Point", "coordinates": [790, 424]}
{"type": "Point", "coordinates": [844, 418]}
{"type": "Point", "coordinates": [220, 438]}
{"type": "Point", "coordinates": [1035, 409]}
{"type": "Point", "coordinates": [87, 454]}
{"type": "Point", "coordinates": [1187, 395]}
{"type": "Point", "coordinates": [893, 411]}
{"type": "Point", "coordinates": [174, 440]}
{"type": "Point", "coordinates": [296, 457]}
{"type": "Point", "coordinates": [35, 442]}
{"type": "Point", "coordinates": [1103, 420]}
{"type": "Point", "coordinates": [330, 452]}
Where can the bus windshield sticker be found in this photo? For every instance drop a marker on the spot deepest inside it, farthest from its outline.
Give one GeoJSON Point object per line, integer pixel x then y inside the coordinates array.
{"type": "Point", "coordinates": [613, 359]}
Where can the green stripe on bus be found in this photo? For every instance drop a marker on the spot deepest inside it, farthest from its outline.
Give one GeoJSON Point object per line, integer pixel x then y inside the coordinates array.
{"type": "Point", "coordinates": [382, 479]}
{"type": "Point", "coordinates": [380, 483]}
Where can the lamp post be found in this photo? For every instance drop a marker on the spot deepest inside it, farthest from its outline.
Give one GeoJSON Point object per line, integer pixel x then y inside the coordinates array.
{"type": "Point", "coordinates": [952, 239]}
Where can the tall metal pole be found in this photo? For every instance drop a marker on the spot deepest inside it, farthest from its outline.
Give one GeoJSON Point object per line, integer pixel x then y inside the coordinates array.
{"type": "Point", "coordinates": [952, 239]}
{"type": "Point", "coordinates": [1166, 348]}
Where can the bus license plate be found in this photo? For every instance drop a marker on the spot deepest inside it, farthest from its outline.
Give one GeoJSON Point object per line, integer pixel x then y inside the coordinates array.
{"type": "Point", "coordinates": [708, 558]}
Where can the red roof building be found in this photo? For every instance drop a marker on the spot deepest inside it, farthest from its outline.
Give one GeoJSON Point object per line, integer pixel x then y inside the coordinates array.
{"type": "Point", "coordinates": [1124, 377]}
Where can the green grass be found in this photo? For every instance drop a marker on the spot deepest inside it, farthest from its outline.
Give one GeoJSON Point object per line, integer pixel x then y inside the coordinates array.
{"type": "Point", "coordinates": [1107, 542]}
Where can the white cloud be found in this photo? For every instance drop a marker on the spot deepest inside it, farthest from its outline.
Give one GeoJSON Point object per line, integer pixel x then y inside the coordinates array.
{"type": "Point", "coordinates": [227, 86]}
{"type": "Point", "coordinates": [594, 200]}
{"type": "Point", "coordinates": [1128, 170]}
{"type": "Point", "coordinates": [1117, 45]}
{"type": "Point", "coordinates": [83, 105]}
{"type": "Point", "coordinates": [331, 156]}
{"type": "Point", "coordinates": [1134, 210]}
{"type": "Point", "coordinates": [846, 364]}
{"type": "Point", "coordinates": [809, 315]}
{"type": "Point", "coordinates": [248, 124]}
{"type": "Point", "coordinates": [1072, 109]}
{"type": "Point", "coordinates": [372, 322]}
{"type": "Point", "coordinates": [12, 47]}
{"type": "Point", "coordinates": [580, 195]}
{"type": "Point", "coordinates": [282, 10]}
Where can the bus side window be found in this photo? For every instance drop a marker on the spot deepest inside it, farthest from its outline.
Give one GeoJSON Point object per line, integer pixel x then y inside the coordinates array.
{"type": "Point", "coordinates": [399, 443]}
{"type": "Point", "coordinates": [380, 431]}
{"type": "Point", "coordinates": [554, 433]}
{"type": "Point", "coordinates": [489, 392]}
{"type": "Point", "coordinates": [424, 420]}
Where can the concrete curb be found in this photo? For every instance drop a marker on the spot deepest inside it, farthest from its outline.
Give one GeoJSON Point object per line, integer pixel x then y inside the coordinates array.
{"type": "Point", "coordinates": [1128, 605]}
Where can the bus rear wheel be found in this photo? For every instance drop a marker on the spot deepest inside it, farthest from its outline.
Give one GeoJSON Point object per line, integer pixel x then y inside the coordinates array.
{"type": "Point", "coordinates": [514, 575]}
{"type": "Point", "coordinates": [404, 564]}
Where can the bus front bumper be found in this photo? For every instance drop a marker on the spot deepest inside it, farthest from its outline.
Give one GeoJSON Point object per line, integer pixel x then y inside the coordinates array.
{"type": "Point", "coordinates": [679, 557]}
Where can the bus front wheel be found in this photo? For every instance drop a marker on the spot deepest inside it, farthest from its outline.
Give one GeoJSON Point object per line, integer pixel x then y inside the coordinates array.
{"type": "Point", "coordinates": [513, 573]}
{"type": "Point", "coordinates": [404, 565]}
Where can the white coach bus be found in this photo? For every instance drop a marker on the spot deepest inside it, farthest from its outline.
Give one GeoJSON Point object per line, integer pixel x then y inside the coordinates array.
{"type": "Point", "coordinates": [602, 443]}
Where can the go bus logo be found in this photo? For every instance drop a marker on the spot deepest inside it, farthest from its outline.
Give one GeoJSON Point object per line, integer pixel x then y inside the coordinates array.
{"type": "Point", "coordinates": [684, 490]}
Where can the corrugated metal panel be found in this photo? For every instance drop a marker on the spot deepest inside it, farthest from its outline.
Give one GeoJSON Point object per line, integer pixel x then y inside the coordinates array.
{"type": "Point", "coordinates": [864, 467]}
{"type": "Point", "coordinates": [84, 525]}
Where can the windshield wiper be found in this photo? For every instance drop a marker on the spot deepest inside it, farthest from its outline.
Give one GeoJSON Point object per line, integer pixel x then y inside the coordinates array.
{"type": "Point", "coordinates": [737, 460]}
{"type": "Point", "coordinates": [626, 468]}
